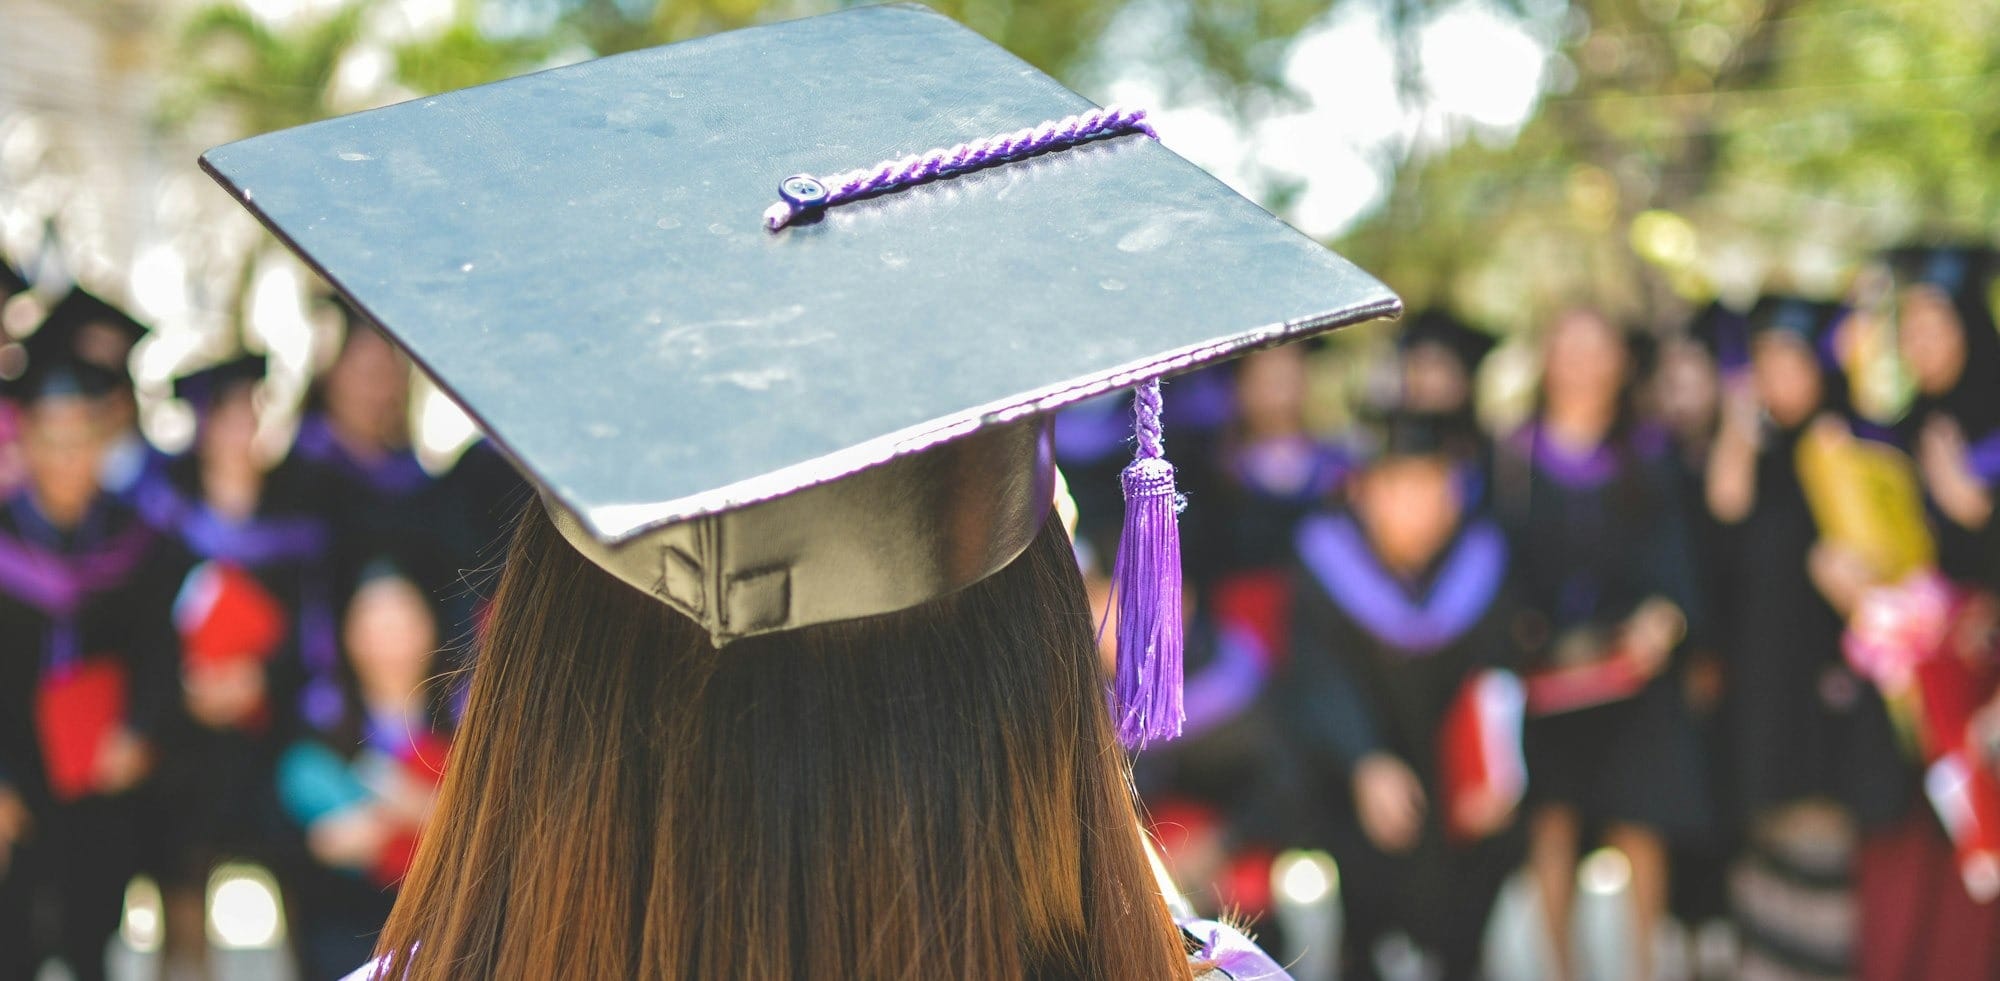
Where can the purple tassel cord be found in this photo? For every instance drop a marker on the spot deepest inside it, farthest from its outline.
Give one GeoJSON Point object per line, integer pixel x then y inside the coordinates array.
{"type": "Point", "coordinates": [804, 193]}
{"type": "Point", "coordinates": [1146, 584]}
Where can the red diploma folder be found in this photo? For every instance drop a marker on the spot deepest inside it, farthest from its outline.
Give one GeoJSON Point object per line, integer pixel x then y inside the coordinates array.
{"type": "Point", "coordinates": [223, 613]}
{"type": "Point", "coordinates": [1479, 750]}
{"type": "Point", "coordinates": [76, 707]}
{"type": "Point", "coordinates": [1570, 688]}
{"type": "Point", "coordinates": [1966, 796]}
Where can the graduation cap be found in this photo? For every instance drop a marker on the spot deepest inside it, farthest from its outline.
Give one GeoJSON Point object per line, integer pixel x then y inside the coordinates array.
{"type": "Point", "coordinates": [1959, 271]}
{"type": "Point", "coordinates": [760, 398]}
{"type": "Point", "coordinates": [57, 373]}
{"type": "Point", "coordinates": [202, 388]}
{"type": "Point", "coordinates": [92, 329]}
{"type": "Point", "coordinates": [1807, 320]}
{"type": "Point", "coordinates": [1398, 433]}
{"type": "Point", "coordinates": [1722, 331]}
{"type": "Point", "coordinates": [1436, 327]}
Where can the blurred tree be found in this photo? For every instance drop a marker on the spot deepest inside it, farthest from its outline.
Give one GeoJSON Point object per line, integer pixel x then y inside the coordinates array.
{"type": "Point", "coordinates": [1681, 147]}
{"type": "Point", "coordinates": [265, 77]}
{"type": "Point", "coordinates": [261, 78]}
{"type": "Point", "coordinates": [1688, 147]}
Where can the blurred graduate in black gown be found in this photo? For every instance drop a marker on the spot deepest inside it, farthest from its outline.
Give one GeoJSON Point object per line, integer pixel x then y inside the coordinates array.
{"type": "Point", "coordinates": [1947, 336]}
{"type": "Point", "coordinates": [1273, 472]}
{"type": "Point", "coordinates": [1402, 603]}
{"type": "Point", "coordinates": [89, 656]}
{"type": "Point", "coordinates": [256, 618]}
{"type": "Point", "coordinates": [1690, 369]}
{"type": "Point", "coordinates": [1811, 747]}
{"type": "Point", "coordinates": [1437, 360]}
{"type": "Point", "coordinates": [360, 790]}
{"type": "Point", "coordinates": [104, 335]}
{"type": "Point", "coordinates": [1602, 560]}
{"type": "Point", "coordinates": [354, 440]}
{"type": "Point", "coordinates": [1918, 920]}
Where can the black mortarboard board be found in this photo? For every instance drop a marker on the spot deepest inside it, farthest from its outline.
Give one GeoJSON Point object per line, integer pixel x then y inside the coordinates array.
{"type": "Point", "coordinates": [1960, 271]}
{"type": "Point", "coordinates": [1806, 319]}
{"type": "Point", "coordinates": [1397, 432]}
{"type": "Point", "coordinates": [1722, 330]}
{"type": "Point", "coordinates": [80, 310]}
{"type": "Point", "coordinates": [1470, 345]}
{"type": "Point", "coordinates": [54, 372]}
{"type": "Point", "coordinates": [579, 258]}
{"type": "Point", "coordinates": [200, 388]}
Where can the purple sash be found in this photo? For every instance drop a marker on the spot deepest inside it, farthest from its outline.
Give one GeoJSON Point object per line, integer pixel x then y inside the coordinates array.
{"type": "Point", "coordinates": [1091, 431]}
{"type": "Point", "coordinates": [396, 475]}
{"type": "Point", "coordinates": [1337, 555]}
{"type": "Point", "coordinates": [1263, 469]}
{"type": "Point", "coordinates": [253, 543]}
{"type": "Point", "coordinates": [1227, 685]}
{"type": "Point", "coordinates": [1984, 458]}
{"type": "Point", "coordinates": [58, 583]}
{"type": "Point", "coordinates": [1582, 471]}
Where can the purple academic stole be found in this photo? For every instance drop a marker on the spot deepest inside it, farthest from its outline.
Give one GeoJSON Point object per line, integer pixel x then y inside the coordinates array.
{"type": "Point", "coordinates": [1337, 555]}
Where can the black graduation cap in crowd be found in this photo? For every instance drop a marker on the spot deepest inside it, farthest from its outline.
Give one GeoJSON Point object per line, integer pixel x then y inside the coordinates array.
{"type": "Point", "coordinates": [1723, 331]}
{"type": "Point", "coordinates": [1806, 319]}
{"type": "Point", "coordinates": [1437, 327]}
{"type": "Point", "coordinates": [770, 429]}
{"type": "Point", "coordinates": [201, 388]}
{"type": "Point", "coordinates": [53, 371]}
{"type": "Point", "coordinates": [91, 328]}
{"type": "Point", "coordinates": [1960, 271]}
{"type": "Point", "coordinates": [1396, 433]}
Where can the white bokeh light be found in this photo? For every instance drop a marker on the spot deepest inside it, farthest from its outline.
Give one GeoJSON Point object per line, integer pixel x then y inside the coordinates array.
{"type": "Point", "coordinates": [1481, 65]}
{"type": "Point", "coordinates": [243, 909]}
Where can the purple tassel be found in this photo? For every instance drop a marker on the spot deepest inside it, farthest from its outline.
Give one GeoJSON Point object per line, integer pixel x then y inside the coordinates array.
{"type": "Point", "coordinates": [1146, 581]}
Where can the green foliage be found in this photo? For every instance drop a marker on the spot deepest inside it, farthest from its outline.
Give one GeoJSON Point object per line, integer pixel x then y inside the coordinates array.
{"type": "Point", "coordinates": [463, 56]}
{"type": "Point", "coordinates": [1703, 143]}
{"type": "Point", "coordinates": [268, 79]}
{"type": "Point", "coordinates": [1677, 138]}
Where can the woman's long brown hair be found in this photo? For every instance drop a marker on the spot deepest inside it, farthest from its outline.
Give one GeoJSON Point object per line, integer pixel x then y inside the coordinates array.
{"type": "Point", "coordinates": [929, 794]}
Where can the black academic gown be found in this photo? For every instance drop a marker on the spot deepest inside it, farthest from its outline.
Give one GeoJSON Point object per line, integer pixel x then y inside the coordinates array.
{"type": "Point", "coordinates": [100, 595]}
{"type": "Point", "coordinates": [1803, 725]}
{"type": "Point", "coordinates": [1230, 759]}
{"type": "Point", "coordinates": [389, 507]}
{"type": "Point", "coordinates": [1593, 537]}
{"type": "Point", "coordinates": [1376, 662]}
{"type": "Point", "coordinates": [219, 781]}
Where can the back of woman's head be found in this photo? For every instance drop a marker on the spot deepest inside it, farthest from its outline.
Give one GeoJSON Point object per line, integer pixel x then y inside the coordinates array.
{"type": "Point", "coordinates": [928, 794]}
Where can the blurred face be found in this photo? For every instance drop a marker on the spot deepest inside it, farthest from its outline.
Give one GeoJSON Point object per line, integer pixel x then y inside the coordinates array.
{"type": "Point", "coordinates": [1434, 380]}
{"type": "Point", "coordinates": [1687, 389]}
{"type": "Point", "coordinates": [1787, 375]}
{"type": "Point", "coordinates": [368, 388]}
{"type": "Point", "coordinates": [1585, 362]}
{"type": "Point", "coordinates": [1932, 339]}
{"type": "Point", "coordinates": [390, 635]}
{"type": "Point", "coordinates": [1271, 390]}
{"type": "Point", "coordinates": [229, 427]}
{"type": "Point", "coordinates": [62, 445]}
{"type": "Point", "coordinates": [1409, 506]}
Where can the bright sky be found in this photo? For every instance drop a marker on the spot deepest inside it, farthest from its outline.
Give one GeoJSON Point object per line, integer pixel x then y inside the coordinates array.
{"type": "Point", "coordinates": [1481, 72]}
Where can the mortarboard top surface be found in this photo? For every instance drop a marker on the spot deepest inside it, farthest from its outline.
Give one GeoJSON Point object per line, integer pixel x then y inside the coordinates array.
{"type": "Point", "coordinates": [577, 256]}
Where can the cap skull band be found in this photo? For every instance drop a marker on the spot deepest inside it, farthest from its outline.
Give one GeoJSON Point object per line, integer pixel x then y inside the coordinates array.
{"type": "Point", "coordinates": [774, 424]}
